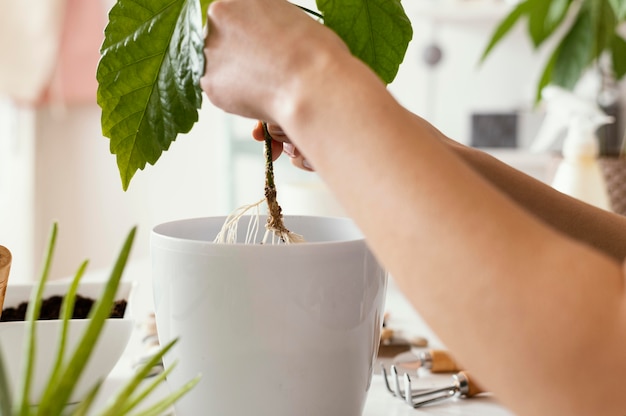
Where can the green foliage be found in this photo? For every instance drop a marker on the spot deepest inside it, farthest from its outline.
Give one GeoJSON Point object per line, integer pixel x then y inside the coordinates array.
{"type": "Point", "coordinates": [152, 60]}
{"type": "Point", "coordinates": [149, 78]}
{"type": "Point", "coordinates": [376, 31]}
{"type": "Point", "coordinates": [67, 370]}
{"type": "Point", "coordinates": [584, 30]}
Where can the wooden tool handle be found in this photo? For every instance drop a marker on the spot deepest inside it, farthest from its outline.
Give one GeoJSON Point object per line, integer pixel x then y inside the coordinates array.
{"type": "Point", "coordinates": [442, 362]}
{"type": "Point", "coordinates": [5, 267]}
{"type": "Point", "coordinates": [473, 388]}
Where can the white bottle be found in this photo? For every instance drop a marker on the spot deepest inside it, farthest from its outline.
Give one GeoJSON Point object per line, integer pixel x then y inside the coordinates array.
{"type": "Point", "coordinates": [579, 174]}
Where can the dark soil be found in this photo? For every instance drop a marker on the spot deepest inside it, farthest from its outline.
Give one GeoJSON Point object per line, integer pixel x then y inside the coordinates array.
{"type": "Point", "coordinates": [51, 307]}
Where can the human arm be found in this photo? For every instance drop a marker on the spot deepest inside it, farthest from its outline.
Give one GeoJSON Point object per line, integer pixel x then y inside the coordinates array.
{"type": "Point", "coordinates": [521, 303]}
{"type": "Point", "coordinates": [603, 230]}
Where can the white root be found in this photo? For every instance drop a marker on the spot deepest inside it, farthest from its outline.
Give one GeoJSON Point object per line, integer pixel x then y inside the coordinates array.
{"type": "Point", "coordinates": [229, 231]}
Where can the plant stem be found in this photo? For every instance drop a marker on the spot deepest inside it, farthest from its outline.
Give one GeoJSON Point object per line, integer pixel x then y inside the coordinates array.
{"type": "Point", "coordinates": [275, 216]}
{"type": "Point", "coordinates": [312, 12]}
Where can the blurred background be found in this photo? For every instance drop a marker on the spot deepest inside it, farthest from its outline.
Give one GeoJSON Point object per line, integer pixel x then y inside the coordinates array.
{"type": "Point", "coordinates": [55, 164]}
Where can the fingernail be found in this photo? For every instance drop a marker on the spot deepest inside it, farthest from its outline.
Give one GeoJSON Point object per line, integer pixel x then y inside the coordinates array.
{"type": "Point", "coordinates": [307, 165]}
{"type": "Point", "coordinates": [289, 149]}
{"type": "Point", "coordinates": [277, 131]}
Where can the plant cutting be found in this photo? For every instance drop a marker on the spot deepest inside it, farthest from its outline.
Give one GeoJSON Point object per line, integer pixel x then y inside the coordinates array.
{"type": "Point", "coordinates": [68, 366]}
{"type": "Point", "coordinates": [269, 325]}
{"type": "Point", "coordinates": [152, 61]}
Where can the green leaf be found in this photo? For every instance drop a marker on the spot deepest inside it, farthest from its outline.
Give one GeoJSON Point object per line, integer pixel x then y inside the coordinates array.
{"type": "Point", "coordinates": [149, 78]}
{"type": "Point", "coordinates": [97, 317]}
{"type": "Point", "coordinates": [6, 401]}
{"type": "Point", "coordinates": [575, 52]}
{"type": "Point", "coordinates": [505, 27]}
{"type": "Point", "coordinates": [604, 22]}
{"type": "Point", "coordinates": [84, 406]}
{"type": "Point", "coordinates": [377, 31]}
{"type": "Point", "coordinates": [618, 54]}
{"type": "Point", "coordinates": [162, 405]}
{"type": "Point", "coordinates": [123, 397]}
{"type": "Point", "coordinates": [67, 310]}
{"type": "Point", "coordinates": [544, 17]}
{"type": "Point", "coordinates": [619, 8]}
{"type": "Point", "coordinates": [204, 7]}
{"type": "Point", "coordinates": [546, 75]}
{"type": "Point", "coordinates": [32, 314]}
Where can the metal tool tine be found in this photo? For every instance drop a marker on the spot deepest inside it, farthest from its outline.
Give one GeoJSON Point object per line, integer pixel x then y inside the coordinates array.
{"type": "Point", "coordinates": [447, 394]}
{"type": "Point", "coordinates": [396, 381]}
{"type": "Point", "coordinates": [384, 370]}
{"type": "Point", "coordinates": [461, 386]}
{"type": "Point", "coordinates": [407, 389]}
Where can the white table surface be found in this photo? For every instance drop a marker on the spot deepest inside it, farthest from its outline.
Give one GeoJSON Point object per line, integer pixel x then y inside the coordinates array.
{"type": "Point", "coordinates": [379, 402]}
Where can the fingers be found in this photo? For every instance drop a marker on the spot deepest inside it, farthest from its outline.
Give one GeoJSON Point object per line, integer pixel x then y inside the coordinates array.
{"type": "Point", "coordinates": [296, 157]}
{"type": "Point", "coordinates": [281, 144]}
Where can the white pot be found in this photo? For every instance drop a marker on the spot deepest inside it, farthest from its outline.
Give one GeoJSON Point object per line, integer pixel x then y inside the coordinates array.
{"type": "Point", "coordinates": [111, 344]}
{"type": "Point", "coordinates": [277, 330]}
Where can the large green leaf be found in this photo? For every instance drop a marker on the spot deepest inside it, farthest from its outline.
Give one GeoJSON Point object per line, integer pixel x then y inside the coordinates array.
{"type": "Point", "coordinates": [204, 6]}
{"type": "Point", "coordinates": [544, 17]}
{"type": "Point", "coordinates": [546, 75]}
{"type": "Point", "coordinates": [505, 27]}
{"type": "Point", "coordinates": [575, 52]}
{"type": "Point", "coordinates": [619, 8]}
{"type": "Point", "coordinates": [376, 31]}
{"type": "Point", "coordinates": [149, 78]}
{"type": "Point", "coordinates": [618, 54]}
{"type": "Point", "coordinates": [604, 22]}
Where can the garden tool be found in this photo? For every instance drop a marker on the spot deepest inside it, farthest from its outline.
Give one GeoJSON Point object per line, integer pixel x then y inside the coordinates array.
{"type": "Point", "coordinates": [461, 385]}
{"type": "Point", "coordinates": [437, 361]}
{"type": "Point", "coordinates": [5, 267]}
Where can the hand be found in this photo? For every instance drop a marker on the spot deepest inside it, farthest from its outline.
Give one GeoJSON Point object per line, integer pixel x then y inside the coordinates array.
{"type": "Point", "coordinates": [281, 144]}
{"type": "Point", "coordinates": [258, 51]}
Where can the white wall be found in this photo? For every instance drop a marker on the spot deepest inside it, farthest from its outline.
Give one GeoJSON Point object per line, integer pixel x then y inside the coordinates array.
{"type": "Point", "coordinates": [448, 93]}
{"type": "Point", "coordinates": [55, 165]}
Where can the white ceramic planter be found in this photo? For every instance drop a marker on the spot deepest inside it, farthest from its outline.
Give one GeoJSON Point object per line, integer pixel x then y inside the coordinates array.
{"type": "Point", "coordinates": [277, 330]}
{"type": "Point", "coordinates": [108, 350]}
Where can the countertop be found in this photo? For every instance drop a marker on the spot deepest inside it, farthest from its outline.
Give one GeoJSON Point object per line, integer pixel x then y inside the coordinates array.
{"type": "Point", "coordinates": [380, 402]}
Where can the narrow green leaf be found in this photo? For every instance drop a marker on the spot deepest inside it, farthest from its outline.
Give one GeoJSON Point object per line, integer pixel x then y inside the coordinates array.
{"type": "Point", "coordinates": [122, 397]}
{"type": "Point", "coordinates": [85, 405]}
{"type": "Point", "coordinates": [166, 402]}
{"type": "Point", "coordinates": [67, 310]}
{"type": "Point", "coordinates": [546, 75]}
{"type": "Point", "coordinates": [575, 52]}
{"type": "Point", "coordinates": [377, 31]}
{"type": "Point", "coordinates": [6, 401]}
{"type": "Point", "coordinates": [32, 314]}
{"type": "Point", "coordinates": [618, 55]}
{"type": "Point", "coordinates": [505, 27]}
{"type": "Point", "coordinates": [137, 398]}
{"type": "Point", "coordinates": [149, 78]}
{"type": "Point", "coordinates": [97, 317]}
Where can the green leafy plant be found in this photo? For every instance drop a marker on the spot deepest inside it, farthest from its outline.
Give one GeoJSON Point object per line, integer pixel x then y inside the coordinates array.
{"type": "Point", "coordinates": [152, 61]}
{"type": "Point", "coordinates": [583, 31]}
{"type": "Point", "coordinates": [67, 369]}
